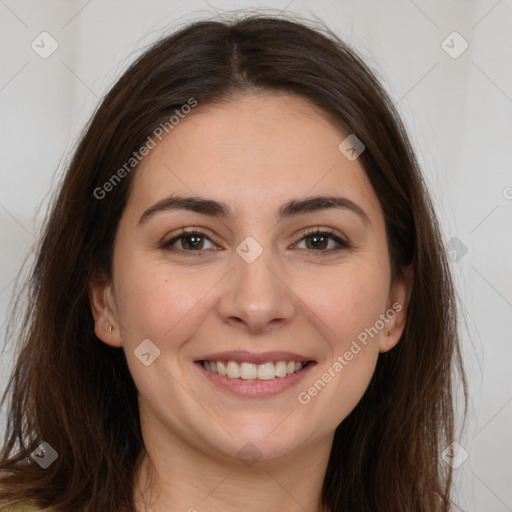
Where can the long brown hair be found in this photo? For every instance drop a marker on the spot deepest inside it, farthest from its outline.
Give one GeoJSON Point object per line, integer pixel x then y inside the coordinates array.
{"type": "Point", "coordinates": [76, 393]}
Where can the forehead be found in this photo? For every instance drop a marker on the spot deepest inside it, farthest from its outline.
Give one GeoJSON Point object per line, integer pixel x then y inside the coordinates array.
{"type": "Point", "coordinates": [249, 151]}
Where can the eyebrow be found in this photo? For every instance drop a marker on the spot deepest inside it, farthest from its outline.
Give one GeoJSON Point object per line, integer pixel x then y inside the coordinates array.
{"type": "Point", "coordinates": [212, 208]}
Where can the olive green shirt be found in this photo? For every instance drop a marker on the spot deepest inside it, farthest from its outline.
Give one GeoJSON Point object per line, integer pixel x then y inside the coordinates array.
{"type": "Point", "coordinates": [25, 507]}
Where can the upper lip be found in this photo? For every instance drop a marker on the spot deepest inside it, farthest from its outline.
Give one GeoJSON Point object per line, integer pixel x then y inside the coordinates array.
{"type": "Point", "coordinates": [240, 356]}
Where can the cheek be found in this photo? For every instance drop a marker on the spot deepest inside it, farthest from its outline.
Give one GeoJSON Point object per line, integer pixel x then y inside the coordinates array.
{"type": "Point", "coordinates": [160, 304]}
{"type": "Point", "coordinates": [348, 300]}
{"type": "Point", "coordinates": [348, 305]}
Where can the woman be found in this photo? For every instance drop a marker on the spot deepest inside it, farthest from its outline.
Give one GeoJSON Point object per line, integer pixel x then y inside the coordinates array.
{"type": "Point", "coordinates": [241, 297]}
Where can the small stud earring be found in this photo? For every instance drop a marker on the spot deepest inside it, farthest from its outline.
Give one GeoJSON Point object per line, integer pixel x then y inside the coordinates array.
{"type": "Point", "coordinates": [387, 333]}
{"type": "Point", "coordinates": [110, 330]}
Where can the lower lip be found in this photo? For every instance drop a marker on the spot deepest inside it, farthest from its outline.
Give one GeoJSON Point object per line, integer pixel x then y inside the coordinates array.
{"type": "Point", "coordinates": [254, 387]}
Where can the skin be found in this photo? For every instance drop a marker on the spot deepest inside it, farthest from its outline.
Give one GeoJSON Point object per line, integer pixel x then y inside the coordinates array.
{"type": "Point", "coordinates": [253, 153]}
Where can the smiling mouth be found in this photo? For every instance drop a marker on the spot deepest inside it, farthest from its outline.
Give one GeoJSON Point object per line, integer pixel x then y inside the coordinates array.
{"type": "Point", "coordinates": [269, 370]}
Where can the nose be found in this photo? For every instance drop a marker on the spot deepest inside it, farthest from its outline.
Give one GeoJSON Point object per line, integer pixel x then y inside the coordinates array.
{"type": "Point", "coordinates": [257, 297]}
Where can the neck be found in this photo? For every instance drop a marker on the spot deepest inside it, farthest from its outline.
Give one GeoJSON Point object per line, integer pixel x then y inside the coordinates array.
{"type": "Point", "coordinates": [177, 476]}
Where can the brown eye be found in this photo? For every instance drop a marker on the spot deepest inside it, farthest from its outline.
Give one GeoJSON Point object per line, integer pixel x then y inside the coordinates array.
{"type": "Point", "coordinates": [323, 241]}
{"type": "Point", "coordinates": [191, 242]}
{"type": "Point", "coordinates": [317, 241]}
{"type": "Point", "coordinates": [188, 241]}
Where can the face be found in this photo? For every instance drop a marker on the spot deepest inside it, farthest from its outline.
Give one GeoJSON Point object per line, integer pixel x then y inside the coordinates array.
{"type": "Point", "coordinates": [259, 280]}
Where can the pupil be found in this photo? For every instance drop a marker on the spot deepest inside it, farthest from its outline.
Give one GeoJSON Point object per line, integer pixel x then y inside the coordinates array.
{"type": "Point", "coordinates": [317, 240]}
{"type": "Point", "coordinates": [195, 242]}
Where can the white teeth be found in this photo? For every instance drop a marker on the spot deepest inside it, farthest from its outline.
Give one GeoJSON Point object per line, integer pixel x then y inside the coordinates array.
{"type": "Point", "coordinates": [281, 369]}
{"type": "Point", "coordinates": [233, 370]}
{"type": "Point", "coordinates": [266, 371]}
{"type": "Point", "coordinates": [221, 368]}
{"type": "Point", "coordinates": [247, 371]}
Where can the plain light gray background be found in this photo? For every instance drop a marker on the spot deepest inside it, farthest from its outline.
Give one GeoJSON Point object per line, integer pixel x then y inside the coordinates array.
{"type": "Point", "coordinates": [458, 112]}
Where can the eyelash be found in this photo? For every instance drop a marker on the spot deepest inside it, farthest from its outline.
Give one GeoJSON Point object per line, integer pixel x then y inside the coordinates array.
{"type": "Point", "coordinates": [184, 233]}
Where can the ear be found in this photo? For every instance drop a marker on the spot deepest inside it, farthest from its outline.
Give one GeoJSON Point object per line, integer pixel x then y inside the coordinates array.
{"type": "Point", "coordinates": [396, 308]}
{"type": "Point", "coordinates": [101, 298]}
